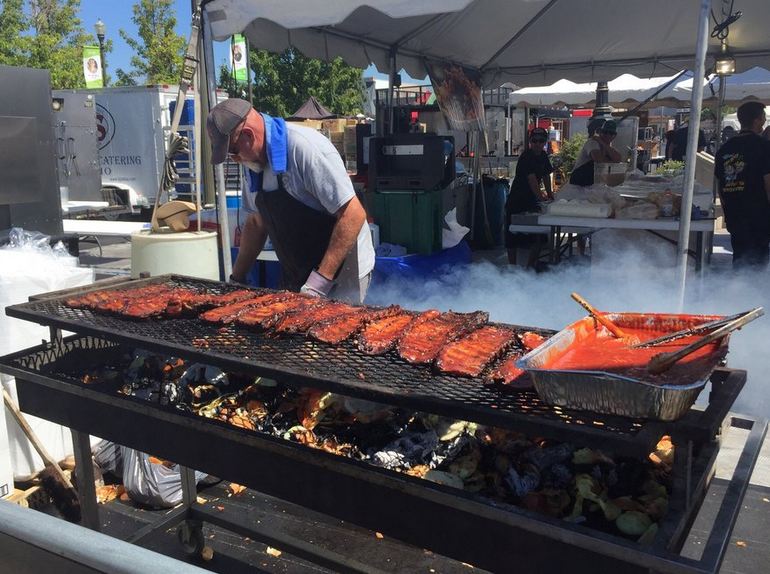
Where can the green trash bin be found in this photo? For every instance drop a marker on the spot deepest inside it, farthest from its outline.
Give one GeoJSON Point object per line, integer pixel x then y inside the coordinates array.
{"type": "Point", "coordinates": [410, 218]}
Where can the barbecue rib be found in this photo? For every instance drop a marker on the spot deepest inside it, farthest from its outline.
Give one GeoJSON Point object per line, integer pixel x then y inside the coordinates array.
{"type": "Point", "coordinates": [301, 321]}
{"type": "Point", "coordinates": [507, 373]}
{"type": "Point", "coordinates": [196, 302]}
{"type": "Point", "coordinates": [531, 340]}
{"type": "Point", "coordinates": [380, 336]}
{"type": "Point", "coordinates": [265, 316]}
{"type": "Point", "coordinates": [228, 313]}
{"type": "Point", "coordinates": [115, 300]}
{"type": "Point", "coordinates": [467, 357]}
{"type": "Point", "coordinates": [334, 331]}
{"type": "Point", "coordinates": [426, 337]}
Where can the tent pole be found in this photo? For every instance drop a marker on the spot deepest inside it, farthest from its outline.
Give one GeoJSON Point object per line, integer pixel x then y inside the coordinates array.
{"type": "Point", "coordinates": [219, 171]}
{"type": "Point", "coordinates": [391, 91]}
{"type": "Point", "coordinates": [692, 149]}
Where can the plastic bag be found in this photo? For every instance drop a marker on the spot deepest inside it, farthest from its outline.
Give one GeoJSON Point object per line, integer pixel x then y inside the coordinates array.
{"type": "Point", "coordinates": [151, 482]}
{"type": "Point", "coordinates": [454, 232]}
{"type": "Point", "coordinates": [643, 210]}
{"type": "Point", "coordinates": [34, 241]}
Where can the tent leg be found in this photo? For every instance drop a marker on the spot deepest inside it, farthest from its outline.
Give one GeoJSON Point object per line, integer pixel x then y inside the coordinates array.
{"type": "Point", "coordinates": [692, 149]}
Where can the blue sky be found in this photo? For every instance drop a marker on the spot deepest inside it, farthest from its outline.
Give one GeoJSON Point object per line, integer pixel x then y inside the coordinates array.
{"type": "Point", "coordinates": [117, 15]}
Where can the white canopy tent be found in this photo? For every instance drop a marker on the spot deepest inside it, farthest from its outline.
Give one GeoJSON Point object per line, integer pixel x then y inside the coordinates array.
{"type": "Point", "coordinates": [624, 89]}
{"type": "Point", "coordinates": [526, 42]}
{"type": "Point", "coordinates": [753, 84]}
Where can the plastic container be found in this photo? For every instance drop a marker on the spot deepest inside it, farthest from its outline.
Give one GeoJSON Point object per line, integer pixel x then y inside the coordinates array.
{"type": "Point", "coordinates": [611, 174]}
{"type": "Point", "coordinates": [190, 253]}
{"type": "Point", "coordinates": [410, 218]}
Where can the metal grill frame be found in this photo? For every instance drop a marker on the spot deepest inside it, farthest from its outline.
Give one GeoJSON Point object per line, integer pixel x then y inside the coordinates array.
{"type": "Point", "coordinates": [299, 361]}
{"type": "Point", "coordinates": [458, 524]}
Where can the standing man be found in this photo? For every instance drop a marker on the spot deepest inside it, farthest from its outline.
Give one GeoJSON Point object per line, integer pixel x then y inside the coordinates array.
{"type": "Point", "coordinates": [598, 149]}
{"type": "Point", "coordinates": [530, 187]}
{"type": "Point", "coordinates": [299, 193]}
{"type": "Point", "coordinates": [742, 168]}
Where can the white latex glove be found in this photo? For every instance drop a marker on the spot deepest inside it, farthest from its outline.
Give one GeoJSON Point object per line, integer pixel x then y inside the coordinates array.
{"type": "Point", "coordinates": [316, 285]}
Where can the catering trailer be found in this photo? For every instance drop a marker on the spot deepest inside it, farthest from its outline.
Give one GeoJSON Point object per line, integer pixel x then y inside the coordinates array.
{"type": "Point", "coordinates": [56, 382]}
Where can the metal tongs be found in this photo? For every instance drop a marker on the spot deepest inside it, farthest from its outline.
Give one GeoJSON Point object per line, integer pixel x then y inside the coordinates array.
{"type": "Point", "coordinates": [664, 361]}
{"type": "Point", "coordinates": [703, 328]}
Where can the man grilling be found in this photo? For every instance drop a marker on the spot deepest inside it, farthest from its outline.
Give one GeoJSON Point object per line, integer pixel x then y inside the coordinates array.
{"type": "Point", "coordinates": [298, 192]}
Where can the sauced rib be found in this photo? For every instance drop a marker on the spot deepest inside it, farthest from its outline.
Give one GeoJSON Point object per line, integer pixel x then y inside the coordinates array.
{"type": "Point", "coordinates": [114, 300]}
{"type": "Point", "coordinates": [228, 313]}
{"type": "Point", "coordinates": [198, 301]}
{"type": "Point", "coordinates": [302, 320]}
{"type": "Point", "coordinates": [531, 340]}
{"type": "Point", "coordinates": [470, 355]}
{"type": "Point", "coordinates": [336, 330]}
{"type": "Point", "coordinates": [507, 373]}
{"type": "Point", "coordinates": [153, 305]}
{"type": "Point", "coordinates": [423, 340]}
{"type": "Point", "coordinates": [265, 316]}
{"type": "Point", "coordinates": [380, 336]}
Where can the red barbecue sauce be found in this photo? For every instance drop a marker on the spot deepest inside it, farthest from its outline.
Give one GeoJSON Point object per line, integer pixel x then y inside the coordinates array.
{"type": "Point", "coordinates": [598, 350]}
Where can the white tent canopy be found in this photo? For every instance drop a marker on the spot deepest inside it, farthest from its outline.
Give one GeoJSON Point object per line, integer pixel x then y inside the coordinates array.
{"type": "Point", "coordinates": [626, 88]}
{"type": "Point", "coordinates": [753, 84]}
{"type": "Point", "coordinates": [527, 42]}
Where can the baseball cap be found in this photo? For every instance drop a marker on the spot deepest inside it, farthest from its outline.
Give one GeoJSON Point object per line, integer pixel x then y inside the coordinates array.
{"type": "Point", "coordinates": [610, 127]}
{"type": "Point", "coordinates": [222, 120]}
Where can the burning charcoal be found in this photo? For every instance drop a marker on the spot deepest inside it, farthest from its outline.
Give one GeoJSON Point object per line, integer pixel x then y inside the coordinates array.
{"type": "Point", "coordinates": [523, 482]}
{"type": "Point", "coordinates": [543, 458]}
{"type": "Point", "coordinates": [406, 451]}
{"type": "Point", "coordinates": [557, 476]}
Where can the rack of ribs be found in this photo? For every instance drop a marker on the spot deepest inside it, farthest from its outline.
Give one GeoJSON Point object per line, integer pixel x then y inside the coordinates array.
{"type": "Point", "coordinates": [155, 304]}
{"type": "Point", "coordinates": [228, 313]}
{"type": "Point", "coordinates": [196, 302]}
{"type": "Point", "coordinates": [531, 340]}
{"type": "Point", "coordinates": [334, 331]}
{"type": "Point", "coordinates": [467, 357]}
{"type": "Point", "coordinates": [115, 300]}
{"type": "Point", "coordinates": [265, 316]}
{"type": "Point", "coordinates": [507, 373]}
{"type": "Point", "coordinates": [380, 336]}
{"type": "Point", "coordinates": [301, 321]}
{"type": "Point", "coordinates": [425, 338]}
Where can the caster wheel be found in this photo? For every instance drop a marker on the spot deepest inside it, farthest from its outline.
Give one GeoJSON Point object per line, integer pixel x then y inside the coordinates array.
{"type": "Point", "coordinates": [190, 535]}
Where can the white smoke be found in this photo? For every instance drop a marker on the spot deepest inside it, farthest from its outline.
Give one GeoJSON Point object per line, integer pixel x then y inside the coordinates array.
{"type": "Point", "coordinates": [624, 282]}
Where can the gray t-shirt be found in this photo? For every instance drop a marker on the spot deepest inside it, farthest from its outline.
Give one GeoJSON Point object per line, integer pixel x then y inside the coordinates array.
{"type": "Point", "coordinates": [315, 176]}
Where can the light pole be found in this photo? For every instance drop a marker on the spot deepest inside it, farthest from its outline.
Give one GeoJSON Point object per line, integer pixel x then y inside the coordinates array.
{"type": "Point", "coordinates": [100, 29]}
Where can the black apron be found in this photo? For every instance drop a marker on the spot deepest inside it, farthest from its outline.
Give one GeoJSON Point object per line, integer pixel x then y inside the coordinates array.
{"type": "Point", "coordinates": [299, 233]}
{"type": "Point", "coordinates": [584, 175]}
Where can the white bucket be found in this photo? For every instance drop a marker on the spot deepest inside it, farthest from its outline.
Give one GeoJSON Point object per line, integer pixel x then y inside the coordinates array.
{"type": "Point", "coordinates": [192, 253]}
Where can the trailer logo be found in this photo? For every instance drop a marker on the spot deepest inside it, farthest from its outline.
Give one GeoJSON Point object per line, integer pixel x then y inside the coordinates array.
{"type": "Point", "coordinates": [105, 126]}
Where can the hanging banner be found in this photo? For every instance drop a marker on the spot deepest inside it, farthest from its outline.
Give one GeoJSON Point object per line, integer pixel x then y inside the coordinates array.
{"type": "Point", "coordinates": [92, 67]}
{"type": "Point", "coordinates": [238, 59]}
{"type": "Point", "coordinates": [458, 92]}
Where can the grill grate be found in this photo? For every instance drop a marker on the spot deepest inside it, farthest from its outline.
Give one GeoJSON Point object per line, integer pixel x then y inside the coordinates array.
{"type": "Point", "coordinates": [343, 369]}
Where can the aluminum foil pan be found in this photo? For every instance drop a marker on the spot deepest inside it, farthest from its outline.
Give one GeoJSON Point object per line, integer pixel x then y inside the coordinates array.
{"type": "Point", "coordinates": [613, 393]}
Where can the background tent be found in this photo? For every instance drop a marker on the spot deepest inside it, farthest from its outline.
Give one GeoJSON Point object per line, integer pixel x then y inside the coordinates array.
{"type": "Point", "coordinates": [527, 42]}
{"type": "Point", "coordinates": [753, 84]}
{"type": "Point", "coordinates": [312, 109]}
{"type": "Point", "coordinates": [625, 89]}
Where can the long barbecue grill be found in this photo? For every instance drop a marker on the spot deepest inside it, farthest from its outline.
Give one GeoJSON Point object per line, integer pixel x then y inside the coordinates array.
{"type": "Point", "coordinates": [488, 534]}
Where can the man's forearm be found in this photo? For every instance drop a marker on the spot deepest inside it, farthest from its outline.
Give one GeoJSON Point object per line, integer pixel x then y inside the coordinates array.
{"type": "Point", "coordinates": [253, 237]}
{"type": "Point", "coordinates": [350, 218]}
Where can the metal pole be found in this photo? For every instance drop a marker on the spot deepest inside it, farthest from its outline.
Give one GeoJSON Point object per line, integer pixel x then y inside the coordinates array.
{"type": "Point", "coordinates": [219, 172]}
{"type": "Point", "coordinates": [692, 148]}
{"type": "Point", "coordinates": [101, 57]}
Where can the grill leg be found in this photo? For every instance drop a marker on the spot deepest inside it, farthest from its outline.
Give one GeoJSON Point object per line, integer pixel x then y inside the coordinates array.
{"type": "Point", "coordinates": [85, 479]}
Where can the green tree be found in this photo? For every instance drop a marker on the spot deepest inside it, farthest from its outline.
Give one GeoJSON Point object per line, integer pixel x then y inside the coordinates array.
{"type": "Point", "coordinates": [57, 41]}
{"type": "Point", "coordinates": [159, 50]}
{"type": "Point", "coordinates": [282, 83]}
{"type": "Point", "coordinates": [13, 23]}
{"type": "Point", "coordinates": [228, 83]}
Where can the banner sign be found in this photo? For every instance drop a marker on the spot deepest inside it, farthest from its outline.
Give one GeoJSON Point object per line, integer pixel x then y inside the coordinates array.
{"type": "Point", "coordinates": [238, 58]}
{"type": "Point", "coordinates": [458, 92]}
{"type": "Point", "coordinates": [92, 67]}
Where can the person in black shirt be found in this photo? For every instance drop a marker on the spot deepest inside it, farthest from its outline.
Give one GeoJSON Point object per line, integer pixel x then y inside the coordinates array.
{"type": "Point", "coordinates": [531, 185]}
{"type": "Point", "coordinates": [742, 168]}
